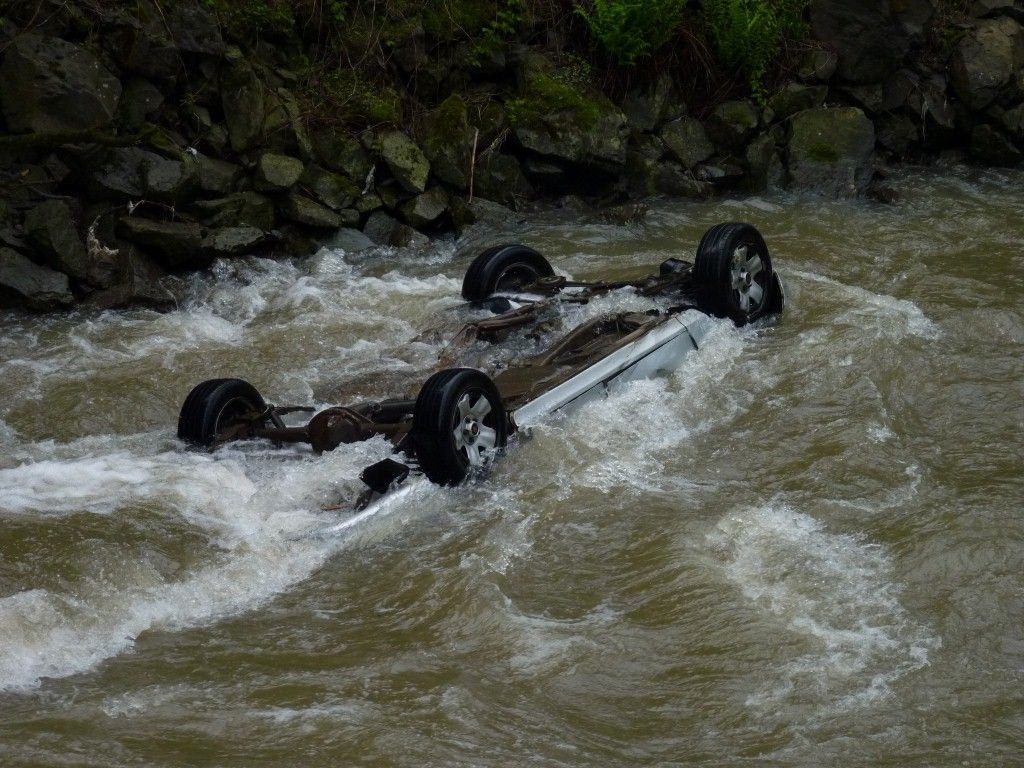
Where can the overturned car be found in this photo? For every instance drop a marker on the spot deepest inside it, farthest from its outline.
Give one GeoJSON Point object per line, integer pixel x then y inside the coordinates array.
{"type": "Point", "coordinates": [462, 417]}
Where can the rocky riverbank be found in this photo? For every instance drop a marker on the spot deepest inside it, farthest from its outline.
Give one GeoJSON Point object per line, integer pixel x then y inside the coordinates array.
{"type": "Point", "coordinates": [142, 143]}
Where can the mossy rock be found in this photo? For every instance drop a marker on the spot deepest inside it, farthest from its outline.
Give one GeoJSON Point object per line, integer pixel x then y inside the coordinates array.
{"type": "Point", "coordinates": [277, 173]}
{"type": "Point", "coordinates": [406, 161]}
{"type": "Point", "coordinates": [686, 140]}
{"type": "Point", "coordinates": [560, 120]}
{"type": "Point", "coordinates": [448, 142]}
{"type": "Point", "coordinates": [830, 151]}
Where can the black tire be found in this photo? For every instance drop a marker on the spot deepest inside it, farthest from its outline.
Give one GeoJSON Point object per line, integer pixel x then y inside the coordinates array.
{"type": "Point", "coordinates": [503, 268]}
{"type": "Point", "coordinates": [437, 415]}
{"type": "Point", "coordinates": [213, 405]}
{"type": "Point", "coordinates": [722, 262]}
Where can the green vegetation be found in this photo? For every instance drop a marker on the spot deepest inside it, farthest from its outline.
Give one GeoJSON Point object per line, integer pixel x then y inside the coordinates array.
{"type": "Point", "coordinates": [545, 94]}
{"type": "Point", "coordinates": [499, 30]}
{"type": "Point", "coordinates": [748, 34]}
{"type": "Point", "coordinates": [631, 30]}
{"type": "Point", "coordinates": [345, 95]}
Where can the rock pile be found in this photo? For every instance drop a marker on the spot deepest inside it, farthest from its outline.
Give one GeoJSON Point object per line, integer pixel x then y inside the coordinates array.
{"type": "Point", "coordinates": [156, 143]}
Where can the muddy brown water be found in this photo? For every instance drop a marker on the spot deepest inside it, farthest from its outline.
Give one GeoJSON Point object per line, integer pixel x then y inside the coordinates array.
{"type": "Point", "coordinates": [804, 547]}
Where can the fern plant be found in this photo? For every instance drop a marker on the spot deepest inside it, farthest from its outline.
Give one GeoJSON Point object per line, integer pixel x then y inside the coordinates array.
{"type": "Point", "coordinates": [631, 30]}
{"type": "Point", "coordinates": [748, 33]}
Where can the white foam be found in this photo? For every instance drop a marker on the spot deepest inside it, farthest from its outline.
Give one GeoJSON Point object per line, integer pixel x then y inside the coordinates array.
{"type": "Point", "coordinates": [258, 513]}
{"type": "Point", "coordinates": [834, 590]}
{"type": "Point", "coordinates": [888, 315]}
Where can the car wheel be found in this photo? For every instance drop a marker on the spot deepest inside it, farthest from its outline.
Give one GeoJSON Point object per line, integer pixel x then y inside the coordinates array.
{"type": "Point", "coordinates": [734, 269]}
{"type": "Point", "coordinates": [459, 423]}
{"type": "Point", "coordinates": [219, 411]}
{"type": "Point", "coordinates": [503, 268]}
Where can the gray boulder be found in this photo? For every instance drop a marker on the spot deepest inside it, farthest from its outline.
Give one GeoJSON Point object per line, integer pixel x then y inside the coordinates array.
{"type": "Point", "coordinates": [242, 208]}
{"type": "Point", "coordinates": [349, 240]}
{"type": "Point", "coordinates": [864, 34]}
{"type": "Point", "coordinates": [818, 65]}
{"type": "Point", "coordinates": [425, 208]}
{"type": "Point", "coordinates": [232, 241]}
{"type": "Point", "coordinates": [500, 177]}
{"type": "Point", "coordinates": [385, 229]}
{"type": "Point", "coordinates": [330, 189]}
{"type": "Point", "coordinates": [48, 85]}
{"type": "Point", "coordinates": [342, 153]}
{"type": "Point", "coordinates": [764, 165]}
{"type": "Point", "coordinates": [217, 177]}
{"type": "Point", "coordinates": [987, 62]}
{"type": "Point", "coordinates": [731, 124]}
{"type": "Point", "coordinates": [243, 99]}
{"type": "Point", "coordinates": [555, 119]}
{"type": "Point", "coordinates": [175, 244]}
{"type": "Point", "coordinates": [406, 161]}
{"type": "Point", "coordinates": [687, 141]}
{"type": "Point", "coordinates": [25, 284]}
{"type": "Point", "coordinates": [830, 151]}
{"type": "Point", "coordinates": [448, 142]}
{"type": "Point", "coordinates": [132, 172]}
{"type": "Point", "coordinates": [794, 98]}
{"type": "Point", "coordinates": [140, 281]}
{"type": "Point", "coordinates": [194, 29]}
{"type": "Point", "coordinates": [139, 99]}
{"type": "Point", "coordinates": [303, 210]}
{"type": "Point", "coordinates": [647, 110]}
{"type": "Point", "coordinates": [50, 229]}
{"type": "Point", "coordinates": [991, 147]}
{"type": "Point", "coordinates": [277, 173]}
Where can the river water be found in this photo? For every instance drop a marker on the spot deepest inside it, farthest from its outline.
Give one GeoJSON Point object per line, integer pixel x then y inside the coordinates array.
{"type": "Point", "coordinates": [805, 547]}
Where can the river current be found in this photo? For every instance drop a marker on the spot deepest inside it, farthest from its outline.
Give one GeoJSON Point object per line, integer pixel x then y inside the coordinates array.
{"type": "Point", "coordinates": [804, 547]}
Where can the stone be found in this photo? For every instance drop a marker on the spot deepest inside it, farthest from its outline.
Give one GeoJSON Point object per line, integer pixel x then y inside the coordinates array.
{"type": "Point", "coordinates": [175, 244]}
{"type": "Point", "coordinates": [794, 98]}
{"type": "Point", "coordinates": [648, 109]}
{"type": "Point", "coordinates": [27, 285]}
{"type": "Point", "coordinates": [818, 65]}
{"type": "Point", "coordinates": [448, 142]}
{"type": "Point", "coordinates": [139, 100]}
{"type": "Point", "coordinates": [426, 208]}
{"type": "Point", "coordinates": [687, 141]}
{"type": "Point", "coordinates": [241, 208]}
{"type": "Point", "coordinates": [897, 133]}
{"type": "Point", "coordinates": [284, 128]}
{"type": "Point", "coordinates": [914, 17]}
{"type": "Point", "coordinates": [48, 85]}
{"type": "Point", "coordinates": [194, 29]}
{"type": "Point", "coordinates": [830, 151]}
{"type": "Point", "coordinates": [986, 62]}
{"type": "Point", "coordinates": [303, 210]}
{"type": "Point", "coordinates": [406, 161]}
{"type": "Point", "coordinates": [217, 177]}
{"type": "Point", "coordinates": [764, 166]}
{"type": "Point", "coordinates": [170, 181]}
{"type": "Point", "coordinates": [556, 119]}
{"type": "Point", "coordinates": [150, 51]}
{"type": "Point", "coordinates": [670, 179]}
{"type": "Point", "coordinates": [277, 173]}
{"type": "Point", "coordinates": [226, 242]}
{"type": "Point", "coordinates": [991, 147]}
{"type": "Point", "coordinates": [1012, 121]}
{"type": "Point", "coordinates": [50, 229]}
{"type": "Point", "coordinates": [132, 172]}
{"type": "Point", "coordinates": [730, 124]}
{"type": "Point", "coordinates": [342, 153]}
{"type": "Point", "coordinates": [349, 240]}
{"type": "Point", "coordinates": [867, 40]}
{"type": "Point", "coordinates": [330, 189]}
{"type": "Point", "coordinates": [385, 229]}
{"type": "Point", "coordinates": [500, 177]}
{"type": "Point", "coordinates": [243, 100]}
{"type": "Point", "coordinates": [140, 281]}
